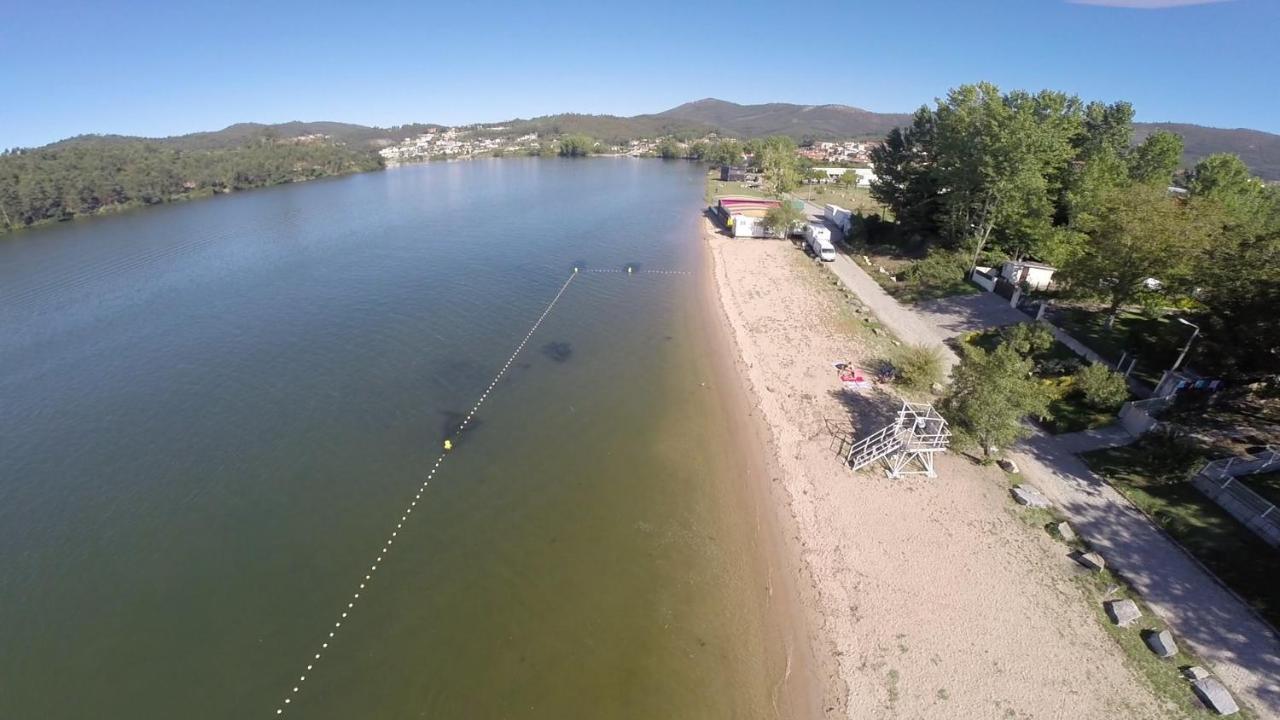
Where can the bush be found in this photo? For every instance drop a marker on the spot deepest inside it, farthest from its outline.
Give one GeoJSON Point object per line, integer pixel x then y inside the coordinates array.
{"type": "Point", "coordinates": [939, 268]}
{"type": "Point", "coordinates": [1102, 388]}
{"type": "Point", "coordinates": [1028, 338]}
{"type": "Point", "coordinates": [1060, 366]}
{"type": "Point", "coordinates": [919, 367]}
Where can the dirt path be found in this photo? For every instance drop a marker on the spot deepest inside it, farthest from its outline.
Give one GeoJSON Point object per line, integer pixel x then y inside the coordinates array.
{"type": "Point", "coordinates": [936, 599]}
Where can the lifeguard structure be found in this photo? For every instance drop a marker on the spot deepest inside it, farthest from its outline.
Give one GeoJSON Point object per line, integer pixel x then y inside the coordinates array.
{"type": "Point", "coordinates": [908, 445]}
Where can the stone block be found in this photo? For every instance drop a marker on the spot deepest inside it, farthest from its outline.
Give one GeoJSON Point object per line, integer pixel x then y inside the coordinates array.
{"type": "Point", "coordinates": [1214, 694]}
{"type": "Point", "coordinates": [1008, 465]}
{"type": "Point", "coordinates": [1030, 496]}
{"type": "Point", "coordinates": [1123, 612]}
{"type": "Point", "coordinates": [1161, 643]}
{"type": "Point", "coordinates": [1092, 560]}
{"type": "Point", "coordinates": [1195, 672]}
{"type": "Point", "coordinates": [1066, 533]}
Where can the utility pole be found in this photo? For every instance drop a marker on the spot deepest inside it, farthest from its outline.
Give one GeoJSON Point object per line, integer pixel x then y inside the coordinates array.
{"type": "Point", "coordinates": [1186, 347]}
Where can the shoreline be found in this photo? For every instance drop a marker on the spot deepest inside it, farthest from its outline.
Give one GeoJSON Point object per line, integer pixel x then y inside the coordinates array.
{"type": "Point", "coordinates": [810, 685]}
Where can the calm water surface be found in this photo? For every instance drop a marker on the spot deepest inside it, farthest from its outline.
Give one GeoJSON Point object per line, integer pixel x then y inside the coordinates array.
{"type": "Point", "coordinates": [213, 414]}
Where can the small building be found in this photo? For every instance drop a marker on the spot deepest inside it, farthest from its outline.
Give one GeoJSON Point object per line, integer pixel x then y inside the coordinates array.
{"type": "Point", "coordinates": [865, 175]}
{"type": "Point", "coordinates": [744, 216]}
{"type": "Point", "coordinates": [729, 173]}
{"type": "Point", "coordinates": [1035, 275]}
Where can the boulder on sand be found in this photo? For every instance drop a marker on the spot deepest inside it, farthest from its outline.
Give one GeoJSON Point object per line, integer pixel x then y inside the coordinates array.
{"type": "Point", "coordinates": [1123, 612]}
{"type": "Point", "coordinates": [1215, 695]}
{"type": "Point", "coordinates": [1030, 496]}
{"type": "Point", "coordinates": [1092, 560]}
{"type": "Point", "coordinates": [1161, 643]}
{"type": "Point", "coordinates": [1065, 532]}
{"type": "Point", "coordinates": [1008, 465]}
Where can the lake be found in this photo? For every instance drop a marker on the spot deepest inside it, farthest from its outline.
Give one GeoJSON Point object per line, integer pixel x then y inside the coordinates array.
{"type": "Point", "coordinates": [214, 414]}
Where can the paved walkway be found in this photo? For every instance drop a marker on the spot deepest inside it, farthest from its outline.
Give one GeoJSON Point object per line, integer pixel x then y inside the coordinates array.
{"type": "Point", "coordinates": [1206, 617]}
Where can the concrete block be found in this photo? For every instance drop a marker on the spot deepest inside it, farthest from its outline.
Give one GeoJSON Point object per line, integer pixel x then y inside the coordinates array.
{"type": "Point", "coordinates": [1195, 672]}
{"type": "Point", "coordinates": [1123, 612]}
{"type": "Point", "coordinates": [1161, 643]}
{"type": "Point", "coordinates": [1066, 533]}
{"type": "Point", "coordinates": [1214, 694]}
{"type": "Point", "coordinates": [1030, 496]}
{"type": "Point", "coordinates": [1092, 560]}
{"type": "Point", "coordinates": [1008, 465]}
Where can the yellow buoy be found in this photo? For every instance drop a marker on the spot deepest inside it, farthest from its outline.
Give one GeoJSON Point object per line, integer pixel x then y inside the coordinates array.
{"type": "Point", "coordinates": [448, 444]}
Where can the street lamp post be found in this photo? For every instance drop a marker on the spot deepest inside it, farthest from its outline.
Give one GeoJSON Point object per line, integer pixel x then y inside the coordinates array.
{"type": "Point", "coordinates": [1187, 347]}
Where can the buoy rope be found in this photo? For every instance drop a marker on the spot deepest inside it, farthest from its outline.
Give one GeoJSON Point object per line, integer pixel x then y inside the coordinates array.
{"type": "Point", "coordinates": [633, 271]}
{"type": "Point", "coordinates": [404, 517]}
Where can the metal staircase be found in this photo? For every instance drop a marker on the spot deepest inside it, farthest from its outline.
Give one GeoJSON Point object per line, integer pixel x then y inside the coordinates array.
{"type": "Point", "coordinates": [907, 446]}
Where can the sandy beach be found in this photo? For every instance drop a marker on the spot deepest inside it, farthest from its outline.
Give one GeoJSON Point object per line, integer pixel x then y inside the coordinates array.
{"type": "Point", "coordinates": [923, 598]}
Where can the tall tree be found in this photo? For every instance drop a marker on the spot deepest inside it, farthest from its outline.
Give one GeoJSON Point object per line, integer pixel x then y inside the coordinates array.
{"type": "Point", "coordinates": [991, 394]}
{"type": "Point", "coordinates": [905, 180]}
{"type": "Point", "coordinates": [1156, 158]}
{"type": "Point", "coordinates": [1000, 159]}
{"type": "Point", "coordinates": [1141, 233]}
{"type": "Point", "coordinates": [779, 163]}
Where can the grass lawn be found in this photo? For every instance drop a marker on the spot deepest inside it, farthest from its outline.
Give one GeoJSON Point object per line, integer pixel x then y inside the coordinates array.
{"type": "Point", "coordinates": [1156, 342]}
{"type": "Point", "coordinates": [1145, 475]}
{"type": "Point", "coordinates": [906, 290]}
{"type": "Point", "coordinates": [1265, 484]}
{"type": "Point", "coordinates": [716, 188]}
{"type": "Point", "coordinates": [849, 198]}
{"type": "Point", "coordinates": [1070, 413]}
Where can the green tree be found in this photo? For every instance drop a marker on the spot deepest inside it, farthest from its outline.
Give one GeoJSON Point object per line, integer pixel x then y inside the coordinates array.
{"type": "Point", "coordinates": [1142, 233]}
{"type": "Point", "coordinates": [1027, 338]}
{"type": "Point", "coordinates": [991, 394]}
{"type": "Point", "coordinates": [575, 146]}
{"type": "Point", "coordinates": [776, 157]}
{"type": "Point", "coordinates": [919, 367]}
{"type": "Point", "coordinates": [905, 178]}
{"type": "Point", "coordinates": [669, 149]}
{"type": "Point", "coordinates": [724, 152]}
{"type": "Point", "coordinates": [783, 219]}
{"type": "Point", "coordinates": [1156, 158]}
{"type": "Point", "coordinates": [1103, 388]}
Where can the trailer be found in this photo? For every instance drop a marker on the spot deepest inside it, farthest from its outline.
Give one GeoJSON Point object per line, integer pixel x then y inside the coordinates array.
{"type": "Point", "coordinates": [818, 239]}
{"type": "Point", "coordinates": [838, 217]}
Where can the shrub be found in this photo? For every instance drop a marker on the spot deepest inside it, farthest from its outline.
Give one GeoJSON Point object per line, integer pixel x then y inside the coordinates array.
{"type": "Point", "coordinates": [939, 268]}
{"type": "Point", "coordinates": [991, 392]}
{"type": "Point", "coordinates": [1028, 338]}
{"type": "Point", "coordinates": [1102, 388]}
{"type": "Point", "coordinates": [919, 367]}
{"type": "Point", "coordinates": [1059, 366]}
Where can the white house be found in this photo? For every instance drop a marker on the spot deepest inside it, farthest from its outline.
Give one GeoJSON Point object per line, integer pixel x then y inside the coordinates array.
{"type": "Point", "coordinates": [865, 175]}
{"type": "Point", "coordinates": [1036, 275]}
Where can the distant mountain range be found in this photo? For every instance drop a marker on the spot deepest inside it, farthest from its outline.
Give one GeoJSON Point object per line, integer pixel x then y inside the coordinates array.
{"type": "Point", "coordinates": [1260, 150]}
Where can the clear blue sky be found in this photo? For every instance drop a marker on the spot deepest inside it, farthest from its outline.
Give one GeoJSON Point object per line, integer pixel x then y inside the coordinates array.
{"type": "Point", "coordinates": [168, 68]}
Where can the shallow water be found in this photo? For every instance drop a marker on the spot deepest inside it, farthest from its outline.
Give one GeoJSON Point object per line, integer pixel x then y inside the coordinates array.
{"type": "Point", "coordinates": [213, 414]}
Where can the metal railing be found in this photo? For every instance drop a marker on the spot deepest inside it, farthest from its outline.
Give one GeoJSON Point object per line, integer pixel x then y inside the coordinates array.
{"type": "Point", "coordinates": [1255, 511]}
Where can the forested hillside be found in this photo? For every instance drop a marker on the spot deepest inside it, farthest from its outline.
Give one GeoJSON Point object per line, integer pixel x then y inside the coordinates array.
{"type": "Point", "coordinates": [92, 175]}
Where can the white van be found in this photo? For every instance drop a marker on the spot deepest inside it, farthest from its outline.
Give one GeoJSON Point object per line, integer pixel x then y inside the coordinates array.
{"type": "Point", "coordinates": [819, 241]}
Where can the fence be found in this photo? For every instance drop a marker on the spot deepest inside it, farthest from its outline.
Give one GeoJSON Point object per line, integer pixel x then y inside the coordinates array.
{"type": "Point", "coordinates": [1138, 416]}
{"type": "Point", "coordinates": [1218, 480]}
{"type": "Point", "coordinates": [984, 277]}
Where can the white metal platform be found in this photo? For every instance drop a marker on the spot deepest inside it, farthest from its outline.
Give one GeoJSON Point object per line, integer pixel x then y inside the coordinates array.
{"type": "Point", "coordinates": [908, 445]}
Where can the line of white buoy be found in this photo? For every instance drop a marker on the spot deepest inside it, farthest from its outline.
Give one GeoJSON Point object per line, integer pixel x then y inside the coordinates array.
{"type": "Point", "coordinates": [404, 517]}
{"type": "Point", "coordinates": [633, 271]}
